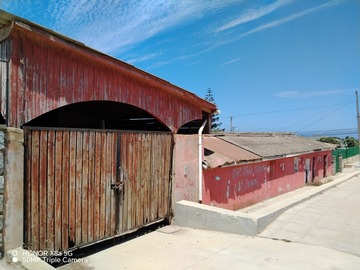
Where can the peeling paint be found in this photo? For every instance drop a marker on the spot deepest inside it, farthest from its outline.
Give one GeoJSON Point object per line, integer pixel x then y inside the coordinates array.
{"type": "Point", "coordinates": [247, 184]}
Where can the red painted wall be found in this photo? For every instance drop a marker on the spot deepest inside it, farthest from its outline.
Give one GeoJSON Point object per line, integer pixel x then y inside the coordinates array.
{"type": "Point", "coordinates": [47, 73]}
{"type": "Point", "coordinates": [236, 187]}
{"type": "Point", "coordinates": [186, 170]}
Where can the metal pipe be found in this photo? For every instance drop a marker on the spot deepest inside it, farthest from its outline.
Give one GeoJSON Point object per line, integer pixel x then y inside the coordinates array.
{"type": "Point", "coordinates": [358, 119]}
{"type": "Point", "coordinates": [200, 159]}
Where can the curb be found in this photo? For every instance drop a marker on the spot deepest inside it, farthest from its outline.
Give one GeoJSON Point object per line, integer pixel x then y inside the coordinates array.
{"type": "Point", "coordinates": [205, 217]}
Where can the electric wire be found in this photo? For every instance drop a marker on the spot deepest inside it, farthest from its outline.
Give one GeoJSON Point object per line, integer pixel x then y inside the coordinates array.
{"type": "Point", "coordinates": [337, 107]}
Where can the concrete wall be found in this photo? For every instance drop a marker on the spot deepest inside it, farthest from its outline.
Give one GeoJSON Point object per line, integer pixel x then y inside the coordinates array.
{"type": "Point", "coordinates": [235, 187]}
{"type": "Point", "coordinates": [186, 171]}
{"type": "Point", "coordinates": [11, 188]}
{"type": "Point", "coordinates": [350, 160]}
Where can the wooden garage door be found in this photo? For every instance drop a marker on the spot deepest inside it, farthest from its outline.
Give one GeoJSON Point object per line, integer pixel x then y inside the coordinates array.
{"type": "Point", "coordinates": [83, 186]}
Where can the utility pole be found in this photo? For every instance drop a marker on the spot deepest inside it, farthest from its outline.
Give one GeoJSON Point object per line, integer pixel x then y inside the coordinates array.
{"type": "Point", "coordinates": [358, 119]}
{"type": "Point", "coordinates": [231, 126]}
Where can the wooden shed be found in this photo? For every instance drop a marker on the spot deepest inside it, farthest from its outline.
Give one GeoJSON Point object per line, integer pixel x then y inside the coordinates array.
{"type": "Point", "coordinates": [98, 136]}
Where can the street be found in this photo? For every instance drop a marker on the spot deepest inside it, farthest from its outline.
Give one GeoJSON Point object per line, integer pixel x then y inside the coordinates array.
{"type": "Point", "coordinates": [320, 233]}
{"type": "Point", "coordinates": [330, 220]}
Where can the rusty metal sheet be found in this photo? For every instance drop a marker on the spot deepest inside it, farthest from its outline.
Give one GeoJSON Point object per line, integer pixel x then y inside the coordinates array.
{"type": "Point", "coordinates": [53, 73]}
{"type": "Point", "coordinates": [225, 153]}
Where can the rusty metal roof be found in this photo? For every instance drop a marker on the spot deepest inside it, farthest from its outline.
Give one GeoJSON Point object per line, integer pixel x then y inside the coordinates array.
{"type": "Point", "coordinates": [270, 145]}
{"type": "Point", "coordinates": [8, 19]}
{"type": "Point", "coordinates": [219, 153]}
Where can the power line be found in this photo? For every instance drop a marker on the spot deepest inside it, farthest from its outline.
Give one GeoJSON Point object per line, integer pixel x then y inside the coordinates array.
{"type": "Point", "coordinates": [279, 111]}
{"type": "Point", "coordinates": [338, 106]}
{"type": "Point", "coordinates": [322, 117]}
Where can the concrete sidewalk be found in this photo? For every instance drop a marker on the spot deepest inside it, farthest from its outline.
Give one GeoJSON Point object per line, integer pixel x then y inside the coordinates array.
{"type": "Point", "coordinates": [181, 248]}
{"type": "Point", "coordinates": [254, 219]}
{"type": "Point", "coordinates": [331, 220]}
{"type": "Point", "coordinates": [296, 239]}
{"type": "Point", "coordinates": [325, 225]}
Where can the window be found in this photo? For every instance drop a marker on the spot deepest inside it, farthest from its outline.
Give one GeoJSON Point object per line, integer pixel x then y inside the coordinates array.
{"type": "Point", "coordinates": [296, 164]}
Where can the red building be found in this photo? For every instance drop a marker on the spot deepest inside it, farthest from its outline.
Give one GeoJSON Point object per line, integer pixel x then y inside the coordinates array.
{"type": "Point", "coordinates": [257, 166]}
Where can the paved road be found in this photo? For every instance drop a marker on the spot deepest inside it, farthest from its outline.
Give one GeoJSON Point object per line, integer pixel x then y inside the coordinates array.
{"type": "Point", "coordinates": [330, 220]}
{"type": "Point", "coordinates": [320, 233]}
{"type": "Point", "coordinates": [179, 248]}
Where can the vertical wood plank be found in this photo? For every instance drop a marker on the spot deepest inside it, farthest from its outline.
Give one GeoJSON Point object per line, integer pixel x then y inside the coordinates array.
{"type": "Point", "coordinates": [108, 178]}
{"type": "Point", "coordinates": [156, 158]}
{"type": "Point", "coordinates": [103, 182]}
{"type": "Point", "coordinates": [78, 188]}
{"type": "Point", "coordinates": [130, 180]}
{"type": "Point", "coordinates": [146, 178]}
{"type": "Point", "coordinates": [97, 183]}
{"type": "Point", "coordinates": [35, 225]}
{"type": "Point", "coordinates": [72, 188]}
{"type": "Point", "coordinates": [124, 153]}
{"type": "Point", "coordinates": [65, 185]}
{"type": "Point", "coordinates": [91, 193]}
{"type": "Point", "coordinates": [134, 181]}
{"type": "Point", "coordinates": [58, 179]}
{"type": "Point", "coordinates": [113, 196]}
{"type": "Point", "coordinates": [153, 180]}
{"type": "Point", "coordinates": [161, 182]}
{"type": "Point", "coordinates": [85, 187]}
{"type": "Point", "coordinates": [50, 239]}
{"type": "Point", "coordinates": [138, 198]}
{"type": "Point", "coordinates": [42, 189]}
{"type": "Point", "coordinates": [29, 184]}
{"type": "Point", "coordinates": [167, 166]}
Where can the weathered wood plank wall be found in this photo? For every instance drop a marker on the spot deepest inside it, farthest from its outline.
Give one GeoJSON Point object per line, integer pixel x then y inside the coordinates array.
{"type": "Point", "coordinates": [70, 180]}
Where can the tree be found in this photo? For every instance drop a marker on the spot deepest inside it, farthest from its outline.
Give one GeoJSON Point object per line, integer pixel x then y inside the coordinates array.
{"type": "Point", "coordinates": [332, 140]}
{"type": "Point", "coordinates": [215, 124]}
{"type": "Point", "coordinates": [351, 142]}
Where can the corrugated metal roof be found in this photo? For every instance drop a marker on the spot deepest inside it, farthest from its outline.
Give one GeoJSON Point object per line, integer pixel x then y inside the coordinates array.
{"type": "Point", "coordinates": [225, 153]}
{"type": "Point", "coordinates": [269, 145]}
{"type": "Point", "coordinates": [8, 19]}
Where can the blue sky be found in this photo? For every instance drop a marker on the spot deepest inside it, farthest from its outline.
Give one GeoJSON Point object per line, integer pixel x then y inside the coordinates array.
{"type": "Point", "coordinates": [279, 65]}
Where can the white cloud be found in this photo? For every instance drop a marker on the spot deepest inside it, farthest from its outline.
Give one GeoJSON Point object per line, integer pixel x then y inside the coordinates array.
{"type": "Point", "coordinates": [112, 26]}
{"type": "Point", "coordinates": [228, 37]}
{"type": "Point", "coordinates": [299, 94]}
{"type": "Point", "coordinates": [292, 17]}
{"type": "Point", "coordinates": [253, 14]}
{"type": "Point", "coordinates": [142, 58]}
{"type": "Point", "coordinates": [232, 61]}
